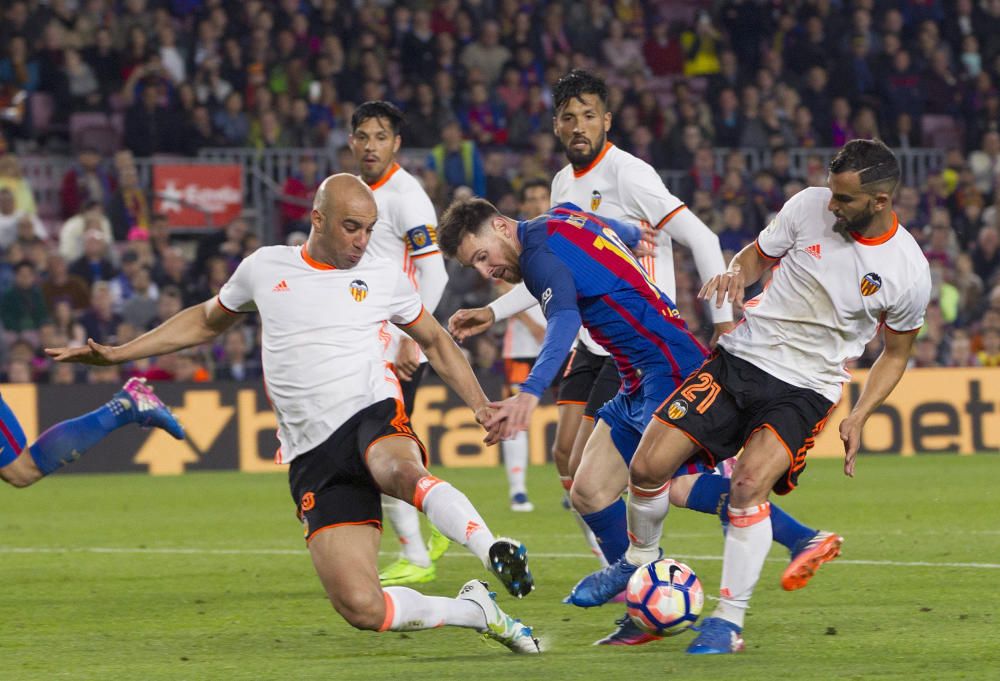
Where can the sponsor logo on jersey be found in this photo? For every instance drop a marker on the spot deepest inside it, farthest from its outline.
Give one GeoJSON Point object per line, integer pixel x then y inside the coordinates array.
{"type": "Point", "coordinates": [870, 283]}
{"type": "Point", "coordinates": [814, 251]}
{"type": "Point", "coordinates": [546, 297]}
{"type": "Point", "coordinates": [677, 409]}
{"type": "Point", "coordinates": [419, 237]}
{"type": "Point", "coordinates": [359, 290]}
{"type": "Point", "coordinates": [281, 287]}
{"type": "Point", "coordinates": [595, 200]}
{"type": "Point", "coordinates": [577, 221]}
{"type": "Point", "coordinates": [308, 501]}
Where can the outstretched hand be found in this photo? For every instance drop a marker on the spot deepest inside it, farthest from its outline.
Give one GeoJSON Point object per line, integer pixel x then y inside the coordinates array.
{"type": "Point", "coordinates": [850, 435]}
{"type": "Point", "coordinates": [92, 353]}
{"type": "Point", "coordinates": [727, 286]}
{"type": "Point", "coordinates": [511, 416]}
{"type": "Point", "coordinates": [470, 322]}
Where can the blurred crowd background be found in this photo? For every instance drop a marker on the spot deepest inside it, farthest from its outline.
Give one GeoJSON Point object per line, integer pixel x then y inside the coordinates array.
{"type": "Point", "coordinates": [96, 87]}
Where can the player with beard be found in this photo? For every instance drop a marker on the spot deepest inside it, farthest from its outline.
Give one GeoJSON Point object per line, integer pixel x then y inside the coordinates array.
{"type": "Point", "coordinates": [611, 183]}
{"type": "Point", "coordinates": [847, 271]}
{"type": "Point", "coordinates": [405, 234]}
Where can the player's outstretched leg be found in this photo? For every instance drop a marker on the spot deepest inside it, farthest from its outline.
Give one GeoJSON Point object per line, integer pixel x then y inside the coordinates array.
{"type": "Point", "coordinates": [809, 548]}
{"type": "Point", "coordinates": [345, 558]}
{"type": "Point", "coordinates": [65, 442]}
{"type": "Point", "coordinates": [414, 565]}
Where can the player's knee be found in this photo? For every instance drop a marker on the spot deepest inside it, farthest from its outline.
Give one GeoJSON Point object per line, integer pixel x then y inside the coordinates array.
{"type": "Point", "coordinates": [587, 498]}
{"type": "Point", "coordinates": [680, 488]}
{"type": "Point", "coordinates": [642, 472]}
{"type": "Point", "coordinates": [747, 488]}
{"type": "Point", "coordinates": [362, 609]}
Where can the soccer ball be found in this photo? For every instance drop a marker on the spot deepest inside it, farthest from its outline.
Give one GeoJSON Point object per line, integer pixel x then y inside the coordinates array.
{"type": "Point", "coordinates": [664, 597]}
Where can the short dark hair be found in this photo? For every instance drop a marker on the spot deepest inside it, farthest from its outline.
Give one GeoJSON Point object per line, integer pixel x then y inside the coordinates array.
{"type": "Point", "coordinates": [876, 165]}
{"type": "Point", "coordinates": [531, 184]}
{"type": "Point", "coordinates": [378, 109]}
{"type": "Point", "coordinates": [463, 217]}
{"type": "Point", "coordinates": [577, 83]}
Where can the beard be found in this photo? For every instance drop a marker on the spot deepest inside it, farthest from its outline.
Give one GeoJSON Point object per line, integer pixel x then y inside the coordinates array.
{"type": "Point", "coordinates": [584, 158]}
{"type": "Point", "coordinates": [859, 223]}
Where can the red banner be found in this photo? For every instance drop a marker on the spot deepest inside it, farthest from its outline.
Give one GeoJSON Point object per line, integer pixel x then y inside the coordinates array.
{"type": "Point", "coordinates": [188, 194]}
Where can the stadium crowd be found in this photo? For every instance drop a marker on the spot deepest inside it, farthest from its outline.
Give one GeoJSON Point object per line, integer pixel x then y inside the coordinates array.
{"type": "Point", "coordinates": [473, 77]}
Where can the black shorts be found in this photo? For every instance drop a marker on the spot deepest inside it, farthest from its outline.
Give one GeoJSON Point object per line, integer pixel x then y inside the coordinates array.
{"type": "Point", "coordinates": [607, 385]}
{"type": "Point", "coordinates": [579, 376]}
{"type": "Point", "coordinates": [728, 399]}
{"type": "Point", "coordinates": [331, 484]}
{"type": "Point", "coordinates": [409, 388]}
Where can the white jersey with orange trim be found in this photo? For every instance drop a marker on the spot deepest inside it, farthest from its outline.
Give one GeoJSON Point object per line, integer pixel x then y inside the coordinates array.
{"type": "Point", "coordinates": [829, 293]}
{"type": "Point", "coordinates": [623, 187]}
{"type": "Point", "coordinates": [404, 233]}
{"type": "Point", "coordinates": [322, 358]}
{"type": "Point", "coordinates": [518, 341]}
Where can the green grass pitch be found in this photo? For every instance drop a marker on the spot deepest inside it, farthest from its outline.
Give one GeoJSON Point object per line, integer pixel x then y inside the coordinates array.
{"type": "Point", "coordinates": [205, 577]}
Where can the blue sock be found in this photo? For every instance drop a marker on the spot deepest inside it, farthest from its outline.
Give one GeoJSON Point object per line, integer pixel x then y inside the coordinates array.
{"type": "Point", "coordinates": [65, 442]}
{"type": "Point", "coordinates": [710, 494]}
{"type": "Point", "coordinates": [611, 529]}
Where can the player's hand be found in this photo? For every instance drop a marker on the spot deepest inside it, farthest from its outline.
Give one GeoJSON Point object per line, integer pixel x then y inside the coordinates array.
{"type": "Point", "coordinates": [720, 328]}
{"type": "Point", "coordinates": [727, 286]}
{"type": "Point", "coordinates": [407, 359]}
{"type": "Point", "coordinates": [512, 415]}
{"type": "Point", "coordinates": [92, 353]}
{"type": "Point", "coordinates": [483, 416]}
{"type": "Point", "coordinates": [646, 248]}
{"type": "Point", "coordinates": [470, 322]}
{"type": "Point", "coordinates": [850, 435]}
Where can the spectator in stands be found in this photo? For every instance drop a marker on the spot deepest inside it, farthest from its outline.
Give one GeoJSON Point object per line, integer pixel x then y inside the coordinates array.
{"type": "Point", "coordinates": [71, 235]}
{"type": "Point", "coordinates": [662, 52]}
{"type": "Point", "coordinates": [129, 205]}
{"type": "Point", "coordinates": [62, 286]}
{"type": "Point", "coordinates": [237, 362]}
{"type": "Point", "coordinates": [232, 122]}
{"type": "Point", "coordinates": [139, 309]}
{"type": "Point", "coordinates": [458, 161]}
{"type": "Point", "coordinates": [989, 356]}
{"type": "Point", "coordinates": [486, 53]}
{"type": "Point", "coordinates": [85, 181]}
{"type": "Point", "coordinates": [11, 219]}
{"type": "Point", "coordinates": [22, 308]}
{"type": "Point", "coordinates": [105, 63]}
{"type": "Point", "coordinates": [701, 44]}
{"type": "Point", "coordinates": [100, 321]}
{"type": "Point", "coordinates": [12, 178]}
{"type": "Point", "coordinates": [985, 162]}
{"type": "Point", "coordinates": [94, 264]}
{"type": "Point", "coordinates": [621, 51]}
{"type": "Point", "coordinates": [150, 128]}
{"type": "Point", "coordinates": [230, 244]}
{"type": "Point", "coordinates": [483, 119]}
{"type": "Point", "coordinates": [986, 254]}
{"type": "Point", "coordinates": [296, 195]}
{"type": "Point", "coordinates": [83, 91]}
{"type": "Point", "coordinates": [425, 118]}
{"type": "Point", "coordinates": [959, 351]}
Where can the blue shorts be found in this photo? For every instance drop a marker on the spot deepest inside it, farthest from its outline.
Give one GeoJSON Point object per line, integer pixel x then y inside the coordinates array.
{"type": "Point", "coordinates": [628, 415]}
{"type": "Point", "coordinates": [12, 440]}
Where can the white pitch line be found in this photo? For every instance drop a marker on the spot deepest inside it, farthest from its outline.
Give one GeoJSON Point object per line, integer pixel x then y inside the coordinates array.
{"type": "Point", "coordinates": [534, 554]}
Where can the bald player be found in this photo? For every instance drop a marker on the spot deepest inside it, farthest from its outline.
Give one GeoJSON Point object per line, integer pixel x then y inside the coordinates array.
{"type": "Point", "coordinates": [341, 421]}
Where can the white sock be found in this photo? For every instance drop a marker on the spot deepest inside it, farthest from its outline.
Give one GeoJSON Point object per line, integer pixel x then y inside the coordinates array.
{"type": "Point", "coordinates": [451, 512]}
{"type": "Point", "coordinates": [588, 535]}
{"type": "Point", "coordinates": [405, 521]}
{"type": "Point", "coordinates": [747, 543]}
{"type": "Point", "coordinates": [409, 610]}
{"type": "Point", "coordinates": [515, 461]}
{"type": "Point", "coordinates": [646, 510]}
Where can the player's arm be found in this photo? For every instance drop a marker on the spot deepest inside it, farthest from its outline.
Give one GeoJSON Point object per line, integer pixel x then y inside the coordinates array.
{"type": "Point", "coordinates": [882, 378]}
{"type": "Point", "coordinates": [432, 278]}
{"type": "Point", "coordinates": [563, 324]}
{"type": "Point", "coordinates": [474, 321]}
{"type": "Point", "coordinates": [450, 364]}
{"type": "Point", "coordinates": [192, 326]}
{"type": "Point", "coordinates": [745, 269]}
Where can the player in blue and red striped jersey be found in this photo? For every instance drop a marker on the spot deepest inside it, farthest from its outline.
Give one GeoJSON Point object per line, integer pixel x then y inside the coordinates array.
{"type": "Point", "coordinates": [581, 269]}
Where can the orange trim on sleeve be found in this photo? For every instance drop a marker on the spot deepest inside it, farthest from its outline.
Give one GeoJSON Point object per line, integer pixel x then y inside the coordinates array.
{"type": "Point", "coordinates": [390, 612]}
{"type": "Point", "coordinates": [385, 178]}
{"type": "Point", "coordinates": [562, 402]}
{"type": "Point", "coordinates": [424, 485]}
{"type": "Point", "coordinates": [422, 311]}
{"type": "Point", "coordinates": [587, 418]}
{"type": "Point", "coordinates": [313, 263]}
{"type": "Point", "coordinates": [580, 173]}
{"type": "Point", "coordinates": [226, 309]}
{"type": "Point", "coordinates": [669, 216]}
{"type": "Point", "coordinates": [880, 239]}
{"type": "Point", "coordinates": [759, 513]}
{"type": "Point", "coordinates": [373, 521]}
{"type": "Point", "coordinates": [756, 245]}
{"type": "Point", "coordinates": [900, 333]}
